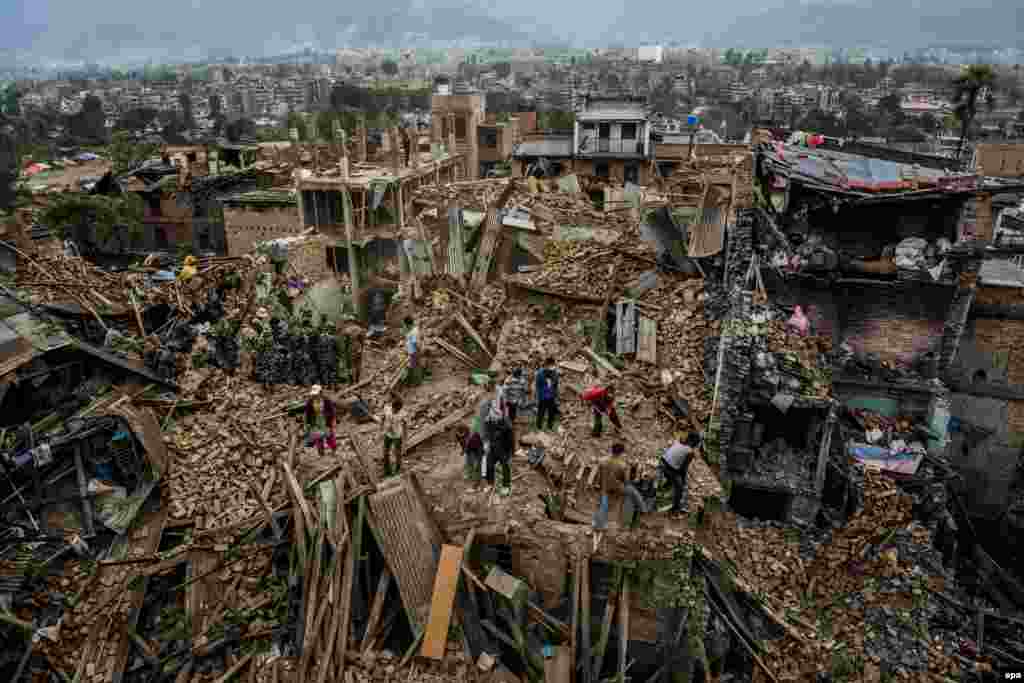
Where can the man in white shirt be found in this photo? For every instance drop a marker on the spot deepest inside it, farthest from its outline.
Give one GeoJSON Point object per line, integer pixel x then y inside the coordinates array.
{"type": "Point", "coordinates": [674, 464]}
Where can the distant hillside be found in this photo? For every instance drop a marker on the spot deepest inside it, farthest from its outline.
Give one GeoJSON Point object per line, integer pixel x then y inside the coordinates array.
{"type": "Point", "coordinates": [900, 25]}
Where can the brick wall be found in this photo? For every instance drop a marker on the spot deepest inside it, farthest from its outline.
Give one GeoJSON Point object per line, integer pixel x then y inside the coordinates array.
{"type": "Point", "coordinates": [897, 325]}
{"type": "Point", "coordinates": [1005, 337]}
{"type": "Point", "coordinates": [999, 296]}
{"type": "Point", "coordinates": [1015, 417]}
{"type": "Point", "coordinates": [245, 227]}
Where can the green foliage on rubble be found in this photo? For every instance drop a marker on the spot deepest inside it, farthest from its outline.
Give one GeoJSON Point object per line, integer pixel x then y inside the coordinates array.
{"type": "Point", "coordinates": [846, 666]}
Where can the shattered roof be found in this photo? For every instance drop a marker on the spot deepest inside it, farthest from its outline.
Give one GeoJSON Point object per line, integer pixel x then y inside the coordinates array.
{"type": "Point", "coordinates": [24, 337]}
{"type": "Point", "coordinates": [548, 147]}
{"type": "Point", "coordinates": [859, 175]}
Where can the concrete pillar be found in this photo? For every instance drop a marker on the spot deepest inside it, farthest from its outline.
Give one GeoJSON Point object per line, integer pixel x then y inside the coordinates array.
{"type": "Point", "coordinates": [353, 260]}
{"type": "Point", "coordinates": [473, 148]}
{"type": "Point", "coordinates": [363, 132]}
{"type": "Point", "coordinates": [414, 148]}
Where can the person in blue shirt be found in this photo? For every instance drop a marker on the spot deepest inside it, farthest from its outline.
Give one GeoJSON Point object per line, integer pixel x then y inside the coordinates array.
{"type": "Point", "coordinates": [546, 382]}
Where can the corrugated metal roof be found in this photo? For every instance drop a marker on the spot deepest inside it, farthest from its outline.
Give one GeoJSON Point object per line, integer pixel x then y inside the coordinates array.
{"type": "Point", "coordinates": [548, 147]}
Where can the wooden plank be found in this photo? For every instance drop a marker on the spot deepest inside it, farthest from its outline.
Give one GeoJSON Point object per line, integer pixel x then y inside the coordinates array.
{"type": "Point", "coordinates": [345, 606]}
{"type": "Point", "coordinates": [377, 609]}
{"type": "Point", "coordinates": [606, 624]}
{"type": "Point", "coordinates": [445, 585]}
{"type": "Point", "coordinates": [601, 363]}
{"type": "Point", "coordinates": [624, 628]}
{"type": "Point", "coordinates": [574, 638]}
{"type": "Point", "coordinates": [457, 354]}
{"type": "Point", "coordinates": [585, 623]}
{"type": "Point", "coordinates": [647, 341]}
{"type": "Point", "coordinates": [442, 426]}
{"type": "Point", "coordinates": [472, 333]}
{"type": "Point", "coordinates": [558, 668]}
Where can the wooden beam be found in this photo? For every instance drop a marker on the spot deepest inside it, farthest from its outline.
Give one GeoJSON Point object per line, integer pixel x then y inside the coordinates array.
{"type": "Point", "coordinates": [574, 637]}
{"type": "Point", "coordinates": [585, 624]}
{"type": "Point", "coordinates": [445, 585]}
{"type": "Point", "coordinates": [472, 333]}
{"type": "Point", "coordinates": [606, 624]}
{"type": "Point", "coordinates": [345, 605]}
{"type": "Point", "coordinates": [377, 609]}
{"type": "Point", "coordinates": [624, 629]}
{"type": "Point", "coordinates": [442, 426]}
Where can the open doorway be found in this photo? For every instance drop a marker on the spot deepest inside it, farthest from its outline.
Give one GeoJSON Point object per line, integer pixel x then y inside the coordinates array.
{"type": "Point", "coordinates": [759, 503]}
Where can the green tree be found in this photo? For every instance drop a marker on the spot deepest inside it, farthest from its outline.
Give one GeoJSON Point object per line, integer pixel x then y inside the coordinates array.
{"type": "Point", "coordinates": [296, 121]}
{"type": "Point", "coordinates": [126, 154]}
{"type": "Point", "coordinates": [967, 88]}
{"type": "Point", "coordinates": [9, 97]}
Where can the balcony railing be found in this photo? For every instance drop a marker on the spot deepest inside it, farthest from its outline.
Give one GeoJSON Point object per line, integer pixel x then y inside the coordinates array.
{"type": "Point", "coordinates": [610, 146]}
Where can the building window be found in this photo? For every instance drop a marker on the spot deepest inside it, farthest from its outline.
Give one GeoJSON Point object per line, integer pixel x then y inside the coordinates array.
{"type": "Point", "coordinates": [191, 156]}
{"type": "Point", "coordinates": [460, 128]}
{"type": "Point", "coordinates": [604, 131]}
{"type": "Point", "coordinates": [601, 169]}
{"type": "Point", "coordinates": [629, 131]}
{"type": "Point", "coordinates": [488, 137]}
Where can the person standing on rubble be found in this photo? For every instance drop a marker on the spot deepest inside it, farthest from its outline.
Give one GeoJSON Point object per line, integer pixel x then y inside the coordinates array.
{"type": "Point", "coordinates": [613, 473]}
{"type": "Point", "coordinates": [472, 445]}
{"type": "Point", "coordinates": [412, 346]}
{"type": "Point", "coordinates": [516, 393]}
{"type": "Point", "coordinates": [321, 418]}
{"type": "Point", "coordinates": [546, 385]}
{"type": "Point", "coordinates": [393, 428]}
{"type": "Point", "coordinates": [500, 440]}
{"type": "Point", "coordinates": [674, 464]}
{"type": "Point", "coordinates": [602, 403]}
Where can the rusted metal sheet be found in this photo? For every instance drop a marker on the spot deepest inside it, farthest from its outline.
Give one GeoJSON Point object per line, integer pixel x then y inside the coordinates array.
{"type": "Point", "coordinates": [625, 327]}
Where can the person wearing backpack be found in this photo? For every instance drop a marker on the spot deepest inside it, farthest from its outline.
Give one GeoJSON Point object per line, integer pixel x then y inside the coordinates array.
{"type": "Point", "coordinates": [546, 385]}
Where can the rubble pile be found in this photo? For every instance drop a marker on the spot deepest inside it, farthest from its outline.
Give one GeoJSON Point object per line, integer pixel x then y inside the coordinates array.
{"type": "Point", "coordinates": [797, 361]}
{"type": "Point", "coordinates": [221, 451]}
{"type": "Point", "coordinates": [682, 329]}
{"type": "Point", "coordinates": [838, 590]}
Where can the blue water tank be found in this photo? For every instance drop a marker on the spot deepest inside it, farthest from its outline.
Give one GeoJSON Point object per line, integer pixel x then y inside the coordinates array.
{"type": "Point", "coordinates": [691, 120]}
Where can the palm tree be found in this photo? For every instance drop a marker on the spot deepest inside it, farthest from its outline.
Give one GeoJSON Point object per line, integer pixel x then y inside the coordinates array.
{"type": "Point", "coordinates": [967, 88]}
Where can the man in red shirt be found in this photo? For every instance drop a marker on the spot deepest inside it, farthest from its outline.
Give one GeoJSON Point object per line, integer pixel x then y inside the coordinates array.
{"type": "Point", "coordinates": [602, 402]}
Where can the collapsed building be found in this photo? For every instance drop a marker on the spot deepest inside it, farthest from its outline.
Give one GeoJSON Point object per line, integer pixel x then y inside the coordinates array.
{"type": "Point", "coordinates": [683, 292]}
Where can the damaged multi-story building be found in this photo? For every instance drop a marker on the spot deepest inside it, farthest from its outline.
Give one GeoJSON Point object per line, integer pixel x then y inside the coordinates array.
{"type": "Point", "coordinates": [855, 332]}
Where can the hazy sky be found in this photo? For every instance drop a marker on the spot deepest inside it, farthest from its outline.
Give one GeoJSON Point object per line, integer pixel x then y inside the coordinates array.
{"type": "Point", "coordinates": [109, 29]}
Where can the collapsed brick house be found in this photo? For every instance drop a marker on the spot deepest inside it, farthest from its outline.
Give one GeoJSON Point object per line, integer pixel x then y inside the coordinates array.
{"type": "Point", "coordinates": [884, 260]}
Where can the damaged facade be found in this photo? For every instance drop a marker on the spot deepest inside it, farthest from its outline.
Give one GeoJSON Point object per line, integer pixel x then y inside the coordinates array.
{"type": "Point", "coordinates": [819, 318]}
